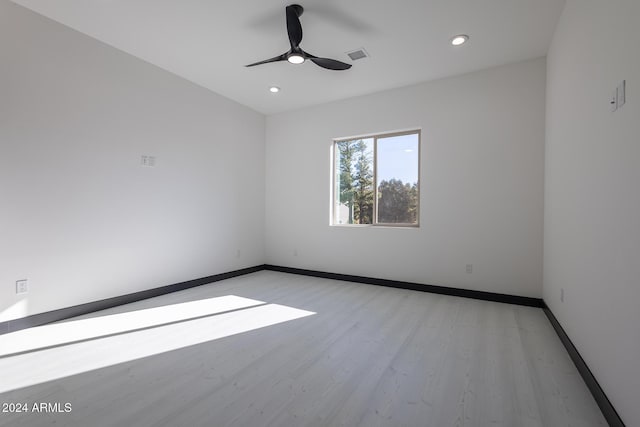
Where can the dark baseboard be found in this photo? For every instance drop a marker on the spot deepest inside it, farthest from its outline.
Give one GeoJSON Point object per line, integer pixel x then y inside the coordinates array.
{"type": "Point", "coordinates": [466, 293]}
{"type": "Point", "coordinates": [77, 310]}
{"type": "Point", "coordinates": [600, 397]}
{"type": "Point", "coordinates": [609, 412]}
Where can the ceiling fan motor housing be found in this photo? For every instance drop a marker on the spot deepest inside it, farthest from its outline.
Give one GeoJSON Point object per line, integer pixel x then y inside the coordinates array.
{"type": "Point", "coordinates": [296, 55]}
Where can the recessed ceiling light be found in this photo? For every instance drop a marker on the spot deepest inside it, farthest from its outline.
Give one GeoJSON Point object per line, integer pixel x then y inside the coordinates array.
{"type": "Point", "coordinates": [295, 59]}
{"type": "Point", "coordinates": [459, 39]}
{"type": "Point", "coordinates": [274, 89]}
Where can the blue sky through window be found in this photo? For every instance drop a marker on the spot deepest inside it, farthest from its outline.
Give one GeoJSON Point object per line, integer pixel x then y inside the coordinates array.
{"type": "Point", "coordinates": [398, 158]}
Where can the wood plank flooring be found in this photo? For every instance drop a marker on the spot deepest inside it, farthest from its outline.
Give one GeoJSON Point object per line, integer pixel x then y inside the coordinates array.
{"type": "Point", "coordinates": [311, 352]}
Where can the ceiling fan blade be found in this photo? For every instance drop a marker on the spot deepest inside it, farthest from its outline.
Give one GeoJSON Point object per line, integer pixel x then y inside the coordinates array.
{"type": "Point", "coordinates": [296, 55]}
{"type": "Point", "coordinates": [330, 64]}
{"type": "Point", "coordinates": [294, 28]}
{"type": "Point", "coordinates": [266, 61]}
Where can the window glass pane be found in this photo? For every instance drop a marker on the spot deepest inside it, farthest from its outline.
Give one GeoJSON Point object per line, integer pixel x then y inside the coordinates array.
{"type": "Point", "coordinates": [397, 179]}
{"type": "Point", "coordinates": [354, 182]}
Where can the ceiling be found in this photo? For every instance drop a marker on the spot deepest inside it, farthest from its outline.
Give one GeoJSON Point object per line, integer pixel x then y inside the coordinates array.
{"type": "Point", "coordinates": [209, 41]}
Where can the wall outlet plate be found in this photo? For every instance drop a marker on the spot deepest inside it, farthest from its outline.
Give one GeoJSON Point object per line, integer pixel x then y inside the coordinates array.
{"type": "Point", "coordinates": [22, 286]}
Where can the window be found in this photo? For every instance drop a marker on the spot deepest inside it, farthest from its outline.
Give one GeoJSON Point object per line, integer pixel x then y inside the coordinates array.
{"type": "Point", "coordinates": [376, 180]}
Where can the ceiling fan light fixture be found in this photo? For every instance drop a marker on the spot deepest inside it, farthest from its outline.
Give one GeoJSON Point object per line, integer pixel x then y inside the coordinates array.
{"type": "Point", "coordinates": [459, 40]}
{"type": "Point", "coordinates": [296, 55]}
{"type": "Point", "coordinates": [295, 58]}
{"type": "Point", "coordinates": [274, 89]}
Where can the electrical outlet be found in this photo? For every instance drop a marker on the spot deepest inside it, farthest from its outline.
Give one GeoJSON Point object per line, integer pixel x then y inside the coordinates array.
{"type": "Point", "coordinates": [469, 268]}
{"type": "Point", "coordinates": [22, 286]}
{"type": "Point", "coordinates": [561, 294]}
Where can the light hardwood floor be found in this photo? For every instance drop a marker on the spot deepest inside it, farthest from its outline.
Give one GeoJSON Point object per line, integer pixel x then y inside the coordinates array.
{"type": "Point", "coordinates": [305, 352]}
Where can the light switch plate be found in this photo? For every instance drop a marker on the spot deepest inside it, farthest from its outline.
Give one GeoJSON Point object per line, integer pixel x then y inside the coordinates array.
{"type": "Point", "coordinates": [149, 161]}
{"type": "Point", "coordinates": [621, 94]}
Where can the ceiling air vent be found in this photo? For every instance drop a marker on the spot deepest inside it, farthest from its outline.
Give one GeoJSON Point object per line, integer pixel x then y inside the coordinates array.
{"type": "Point", "coordinates": [358, 54]}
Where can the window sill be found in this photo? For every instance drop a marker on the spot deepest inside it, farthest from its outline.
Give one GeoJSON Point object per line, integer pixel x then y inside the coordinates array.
{"type": "Point", "coordinates": [409, 226]}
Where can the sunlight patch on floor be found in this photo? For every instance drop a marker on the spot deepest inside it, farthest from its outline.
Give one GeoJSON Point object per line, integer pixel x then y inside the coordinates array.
{"type": "Point", "coordinates": [53, 363]}
{"type": "Point", "coordinates": [90, 328]}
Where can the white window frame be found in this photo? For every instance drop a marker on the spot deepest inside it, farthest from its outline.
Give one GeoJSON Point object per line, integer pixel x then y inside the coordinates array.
{"type": "Point", "coordinates": [375, 137]}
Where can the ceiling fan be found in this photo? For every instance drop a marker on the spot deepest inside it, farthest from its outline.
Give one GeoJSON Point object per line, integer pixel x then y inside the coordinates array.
{"type": "Point", "coordinates": [296, 55]}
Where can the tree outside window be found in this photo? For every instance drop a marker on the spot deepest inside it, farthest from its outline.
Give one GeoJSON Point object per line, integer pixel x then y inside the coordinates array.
{"type": "Point", "coordinates": [389, 161]}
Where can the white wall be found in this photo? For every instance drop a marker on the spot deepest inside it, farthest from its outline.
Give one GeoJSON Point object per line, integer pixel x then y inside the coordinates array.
{"type": "Point", "coordinates": [592, 195]}
{"type": "Point", "coordinates": [79, 217]}
{"type": "Point", "coordinates": [481, 189]}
